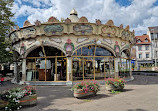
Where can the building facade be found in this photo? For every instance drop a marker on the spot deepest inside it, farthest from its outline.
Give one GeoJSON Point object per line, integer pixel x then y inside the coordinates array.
{"type": "Point", "coordinates": [153, 35]}
{"type": "Point", "coordinates": [71, 50]}
{"type": "Point", "coordinates": [143, 50]}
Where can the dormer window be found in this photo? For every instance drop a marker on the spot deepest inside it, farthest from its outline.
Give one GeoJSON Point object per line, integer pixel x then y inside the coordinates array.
{"type": "Point", "coordinates": [146, 40]}
{"type": "Point", "coordinates": [139, 41]}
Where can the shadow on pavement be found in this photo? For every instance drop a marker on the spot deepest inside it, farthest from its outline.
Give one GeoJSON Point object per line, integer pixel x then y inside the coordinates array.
{"type": "Point", "coordinates": [137, 110]}
{"type": "Point", "coordinates": [95, 97]}
{"type": "Point", "coordinates": [126, 90]}
{"type": "Point", "coordinates": [57, 110]}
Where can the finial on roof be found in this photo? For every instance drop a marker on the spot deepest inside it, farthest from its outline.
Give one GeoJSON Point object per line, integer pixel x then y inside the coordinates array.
{"type": "Point", "coordinates": [127, 27]}
{"type": "Point", "coordinates": [52, 19]}
{"type": "Point", "coordinates": [12, 29]}
{"type": "Point", "coordinates": [17, 27]}
{"type": "Point", "coordinates": [83, 19]}
{"type": "Point", "coordinates": [133, 31]}
{"type": "Point", "coordinates": [121, 26]}
{"type": "Point", "coordinates": [110, 23]}
{"type": "Point", "coordinates": [27, 23]}
{"type": "Point", "coordinates": [37, 23]}
{"type": "Point", "coordinates": [73, 12]}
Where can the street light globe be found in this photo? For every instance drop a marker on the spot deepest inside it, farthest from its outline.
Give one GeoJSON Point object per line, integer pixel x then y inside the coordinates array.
{"type": "Point", "coordinates": [7, 49]}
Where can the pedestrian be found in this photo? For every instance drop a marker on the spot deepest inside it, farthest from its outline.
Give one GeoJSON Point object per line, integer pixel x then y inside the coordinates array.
{"type": "Point", "coordinates": [2, 80]}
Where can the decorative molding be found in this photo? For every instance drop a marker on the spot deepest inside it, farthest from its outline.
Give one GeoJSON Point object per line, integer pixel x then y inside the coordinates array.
{"type": "Point", "coordinates": [67, 21]}
{"type": "Point", "coordinates": [108, 31]}
{"type": "Point", "coordinates": [109, 41]}
{"type": "Point", "coordinates": [125, 35]}
{"type": "Point", "coordinates": [117, 49]}
{"type": "Point", "coordinates": [83, 28]}
{"type": "Point", "coordinates": [69, 47]}
{"type": "Point", "coordinates": [28, 32]}
{"type": "Point", "coordinates": [14, 37]}
{"type": "Point", "coordinates": [52, 20]}
{"type": "Point", "coordinates": [123, 43]}
{"type": "Point", "coordinates": [82, 39]}
{"type": "Point", "coordinates": [30, 42]}
{"type": "Point", "coordinates": [57, 40]}
{"type": "Point", "coordinates": [22, 49]}
{"type": "Point", "coordinates": [53, 29]}
{"type": "Point", "coordinates": [83, 20]}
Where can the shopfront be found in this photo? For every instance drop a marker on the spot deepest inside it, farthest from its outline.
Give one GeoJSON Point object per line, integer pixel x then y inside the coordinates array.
{"type": "Point", "coordinates": [72, 50]}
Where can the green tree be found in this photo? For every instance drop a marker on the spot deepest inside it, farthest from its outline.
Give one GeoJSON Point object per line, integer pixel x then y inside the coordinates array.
{"type": "Point", "coordinates": [5, 24]}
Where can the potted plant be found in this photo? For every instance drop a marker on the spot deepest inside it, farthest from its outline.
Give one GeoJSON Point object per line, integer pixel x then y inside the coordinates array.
{"type": "Point", "coordinates": [114, 84]}
{"type": "Point", "coordinates": [15, 98]}
{"type": "Point", "coordinates": [85, 88]}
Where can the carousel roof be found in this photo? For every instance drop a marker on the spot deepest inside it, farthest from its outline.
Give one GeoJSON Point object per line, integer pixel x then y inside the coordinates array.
{"type": "Point", "coordinates": [73, 16]}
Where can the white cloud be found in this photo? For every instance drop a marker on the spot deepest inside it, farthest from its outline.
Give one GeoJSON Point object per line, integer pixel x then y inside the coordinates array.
{"type": "Point", "coordinates": [139, 15]}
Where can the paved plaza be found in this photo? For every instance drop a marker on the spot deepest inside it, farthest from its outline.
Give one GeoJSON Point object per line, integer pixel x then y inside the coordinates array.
{"type": "Point", "coordinates": [139, 95]}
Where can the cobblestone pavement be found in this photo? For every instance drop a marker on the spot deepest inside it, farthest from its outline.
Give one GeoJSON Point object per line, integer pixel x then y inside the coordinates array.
{"type": "Point", "coordinates": [139, 95]}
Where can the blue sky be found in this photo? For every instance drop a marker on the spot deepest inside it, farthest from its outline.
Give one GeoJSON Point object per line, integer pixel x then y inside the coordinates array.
{"type": "Point", "coordinates": [139, 14]}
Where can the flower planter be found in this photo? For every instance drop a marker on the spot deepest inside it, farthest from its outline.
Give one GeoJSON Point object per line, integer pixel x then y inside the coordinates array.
{"type": "Point", "coordinates": [25, 101]}
{"type": "Point", "coordinates": [3, 103]}
{"type": "Point", "coordinates": [28, 100]}
{"type": "Point", "coordinates": [110, 87]}
{"type": "Point", "coordinates": [79, 93]}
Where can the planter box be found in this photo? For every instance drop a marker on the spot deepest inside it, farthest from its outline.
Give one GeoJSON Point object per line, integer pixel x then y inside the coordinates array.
{"type": "Point", "coordinates": [79, 93]}
{"type": "Point", "coordinates": [3, 103]}
{"type": "Point", "coordinates": [29, 100]}
{"type": "Point", "coordinates": [111, 87]}
{"type": "Point", "coordinates": [26, 101]}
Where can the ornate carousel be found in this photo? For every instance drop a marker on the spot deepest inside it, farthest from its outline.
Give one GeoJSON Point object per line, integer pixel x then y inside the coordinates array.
{"type": "Point", "coordinates": [60, 52]}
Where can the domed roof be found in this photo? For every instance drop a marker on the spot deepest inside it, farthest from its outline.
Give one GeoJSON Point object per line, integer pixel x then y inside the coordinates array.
{"type": "Point", "coordinates": [73, 12]}
{"type": "Point", "coordinates": [73, 16]}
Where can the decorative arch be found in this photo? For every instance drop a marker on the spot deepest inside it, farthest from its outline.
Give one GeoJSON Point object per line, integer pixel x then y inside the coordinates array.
{"type": "Point", "coordinates": [90, 44]}
{"type": "Point", "coordinates": [44, 44]}
{"type": "Point", "coordinates": [127, 52]}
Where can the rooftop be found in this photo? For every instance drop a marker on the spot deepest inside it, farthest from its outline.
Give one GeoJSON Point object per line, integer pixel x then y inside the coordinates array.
{"type": "Point", "coordinates": [143, 39]}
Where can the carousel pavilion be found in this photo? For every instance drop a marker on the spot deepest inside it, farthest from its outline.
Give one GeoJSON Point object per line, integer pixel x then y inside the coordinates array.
{"type": "Point", "coordinates": [61, 52]}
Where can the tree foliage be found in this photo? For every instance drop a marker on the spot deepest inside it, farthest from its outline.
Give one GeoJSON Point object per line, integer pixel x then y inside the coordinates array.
{"type": "Point", "coordinates": [5, 24]}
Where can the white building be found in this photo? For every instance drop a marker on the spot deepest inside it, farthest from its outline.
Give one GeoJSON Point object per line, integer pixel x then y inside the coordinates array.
{"type": "Point", "coordinates": [143, 50]}
{"type": "Point", "coordinates": [153, 35]}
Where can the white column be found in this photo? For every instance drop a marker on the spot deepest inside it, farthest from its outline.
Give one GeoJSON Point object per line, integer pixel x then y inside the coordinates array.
{"type": "Point", "coordinates": [130, 66]}
{"type": "Point", "coordinates": [69, 68]}
{"type": "Point", "coordinates": [116, 67]}
{"type": "Point", "coordinates": [24, 69]}
{"type": "Point", "coordinates": [15, 72]}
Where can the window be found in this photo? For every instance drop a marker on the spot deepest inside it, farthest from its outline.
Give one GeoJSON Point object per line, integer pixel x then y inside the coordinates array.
{"type": "Point", "coordinates": [138, 41]}
{"type": "Point", "coordinates": [140, 55]}
{"type": "Point", "coordinates": [139, 48]}
{"type": "Point", "coordinates": [146, 40]}
{"type": "Point", "coordinates": [146, 47]}
{"type": "Point", "coordinates": [147, 55]}
{"type": "Point", "coordinates": [152, 36]}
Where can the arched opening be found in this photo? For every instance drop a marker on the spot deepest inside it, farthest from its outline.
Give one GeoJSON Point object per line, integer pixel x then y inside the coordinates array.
{"type": "Point", "coordinates": [46, 63]}
{"type": "Point", "coordinates": [124, 64]}
{"type": "Point", "coordinates": [92, 62]}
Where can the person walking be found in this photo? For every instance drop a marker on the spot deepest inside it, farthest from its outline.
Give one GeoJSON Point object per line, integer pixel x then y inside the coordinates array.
{"type": "Point", "coordinates": [2, 80]}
